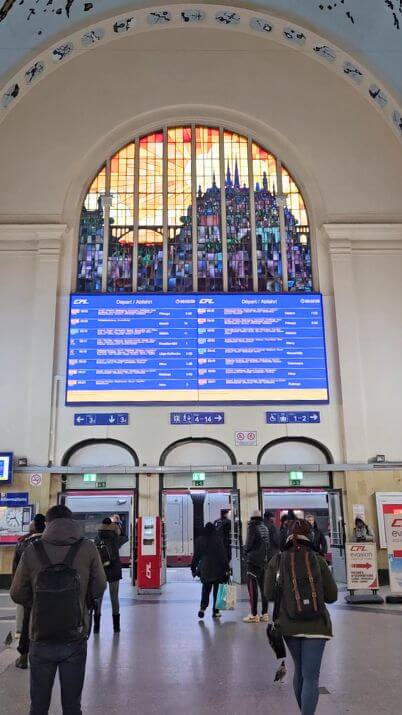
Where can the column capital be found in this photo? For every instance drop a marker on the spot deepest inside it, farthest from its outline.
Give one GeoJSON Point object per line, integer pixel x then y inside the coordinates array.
{"type": "Point", "coordinates": [45, 238]}
{"type": "Point", "coordinates": [365, 238]}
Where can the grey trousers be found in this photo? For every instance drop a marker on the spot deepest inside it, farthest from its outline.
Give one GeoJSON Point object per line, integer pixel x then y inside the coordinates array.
{"type": "Point", "coordinates": [114, 598]}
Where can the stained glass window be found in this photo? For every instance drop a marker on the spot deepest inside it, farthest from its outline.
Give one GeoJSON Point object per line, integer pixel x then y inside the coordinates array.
{"type": "Point", "coordinates": [121, 221]}
{"type": "Point", "coordinates": [150, 214]}
{"type": "Point", "coordinates": [180, 212]}
{"type": "Point", "coordinates": [267, 230]}
{"type": "Point", "coordinates": [297, 237]}
{"type": "Point", "coordinates": [209, 228]}
{"type": "Point", "coordinates": [237, 201]}
{"type": "Point", "coordinates": [90, 242]}
{"type": "Point", "coordinates": [196, 208]}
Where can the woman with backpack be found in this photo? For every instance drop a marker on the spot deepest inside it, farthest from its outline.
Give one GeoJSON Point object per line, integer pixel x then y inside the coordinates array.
{"type": "Point", "coordinates": [109, 540]}
{"type": "Point", "coordinates": [300, 582]}
{"type": "Point", "coordinates": [210, 562]}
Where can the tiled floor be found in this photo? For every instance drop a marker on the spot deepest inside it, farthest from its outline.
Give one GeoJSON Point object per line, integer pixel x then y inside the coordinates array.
{"type": "Point", "coordinates": [164, 661]}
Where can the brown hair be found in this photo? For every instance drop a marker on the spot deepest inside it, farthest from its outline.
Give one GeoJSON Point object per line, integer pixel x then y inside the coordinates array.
{"type": "Point", "coordinates": [301, 527]}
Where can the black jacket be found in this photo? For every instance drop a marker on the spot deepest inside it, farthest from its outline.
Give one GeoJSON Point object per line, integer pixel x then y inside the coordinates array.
{"type": "Point", "coordinates": [23, 544]}
{"type": "Point", "coordinates": [257, 544]}
{"type": "Point", "coordinates": [111, 535]}
{"type": "Point", "coordinates": [210, 561]}
{"type": "Point", "coordinates": [224, 529]}
{"type": "Point", "coordinates": [319, 541]}
{"type": "Point", "coordinates": [273, 538]}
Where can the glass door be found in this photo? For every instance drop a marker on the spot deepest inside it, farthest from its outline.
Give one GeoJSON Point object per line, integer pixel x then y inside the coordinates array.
{"type": "Point", "coordinates": [235, 536]}
{"type": "Point", "coordinates": [337, 535]}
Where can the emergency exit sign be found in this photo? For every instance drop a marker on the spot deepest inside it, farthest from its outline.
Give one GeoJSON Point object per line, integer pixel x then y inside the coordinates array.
{"type": "Point", "coordinates": [295, 479]}
{"type": "Point", "coordinates": [198, 478]}
{"type": "Point", "coordinates": [89, 477]}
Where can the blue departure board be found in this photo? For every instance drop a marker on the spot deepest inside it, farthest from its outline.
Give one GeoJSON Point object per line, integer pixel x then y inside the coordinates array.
{"type": "Point", "coordinates": [137, 348]}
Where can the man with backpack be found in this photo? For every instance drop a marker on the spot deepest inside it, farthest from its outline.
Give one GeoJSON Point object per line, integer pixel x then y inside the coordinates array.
{"type": "Point", "coordinates": [256, 551]}
{"type": "Point", "coordinates": [59, 577]}
{"type": "Point", "coordinates": [300, 584]}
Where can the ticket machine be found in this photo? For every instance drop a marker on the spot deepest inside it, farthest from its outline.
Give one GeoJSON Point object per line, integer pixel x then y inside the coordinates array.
{"type": "Point", "coordinates": [151, 557]}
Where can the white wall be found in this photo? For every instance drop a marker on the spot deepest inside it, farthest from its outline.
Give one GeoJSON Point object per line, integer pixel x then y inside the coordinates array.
{"type": "Point", "coordinates": [346, 160]}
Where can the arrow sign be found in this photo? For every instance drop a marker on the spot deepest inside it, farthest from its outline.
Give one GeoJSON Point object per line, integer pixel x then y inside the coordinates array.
{"type": "Point", "coordinates": [361, 566]}
{"type": "Point", "coordinates": [94, 419]}
{"type": "Point", "coordinates": [289, 417]}
{"type": "Point", "coordinates": [197, 418]}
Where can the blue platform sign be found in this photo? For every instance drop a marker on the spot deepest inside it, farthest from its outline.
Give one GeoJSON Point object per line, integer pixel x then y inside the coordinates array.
{"type": "Point", "coordinates": [197, 418]}
{"type": "Point", "coordinates": [94, 419]}
{"type": "Point", "coordinates": [275, 418]}
{"type": "Point", "coordinates": [14, 499]}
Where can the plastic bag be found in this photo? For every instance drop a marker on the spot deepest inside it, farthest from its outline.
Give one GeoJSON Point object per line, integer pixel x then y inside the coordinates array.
{"type": "Point", "coordinates": [227, 597]}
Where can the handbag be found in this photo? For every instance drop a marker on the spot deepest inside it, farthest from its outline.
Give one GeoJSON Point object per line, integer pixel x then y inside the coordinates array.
{"type": "Point", "coordinates": [274, 630]}
{"type": "Point", "coordinates": [227, 597]}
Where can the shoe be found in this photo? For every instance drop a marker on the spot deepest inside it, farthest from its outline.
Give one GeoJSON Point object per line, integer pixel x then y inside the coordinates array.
{"type": "Point", "coordinates": [216, 614]}
{"type": "Point", "coordinates": [96, 623]}
{"type": "Point", "coordinates": [264, 618]}
{"type": "Point", "coordinates": [200, 614]}
{"type": "Point", "coordinates": [22, 662]}
{"type": "Point", "coordinates": [116, 623]}
{"type": "Point", "coordinates": [251, 619]}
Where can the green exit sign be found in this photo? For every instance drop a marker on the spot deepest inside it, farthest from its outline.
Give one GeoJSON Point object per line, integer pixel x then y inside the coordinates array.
{"type": "Point", "coordinates": [198, 476]}
{"type": "Point", "coordinates": [89, 477]}
{"type": "Point", "coordinates": [295, 478]}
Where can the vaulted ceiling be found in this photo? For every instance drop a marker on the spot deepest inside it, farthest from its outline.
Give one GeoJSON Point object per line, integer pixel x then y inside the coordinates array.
{"type": "Point", "coordinates": [371, 30]}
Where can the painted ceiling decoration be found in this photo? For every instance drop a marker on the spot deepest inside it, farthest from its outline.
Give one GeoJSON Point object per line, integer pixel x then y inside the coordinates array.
{"type": "Point", "coordinates": [279, 29]}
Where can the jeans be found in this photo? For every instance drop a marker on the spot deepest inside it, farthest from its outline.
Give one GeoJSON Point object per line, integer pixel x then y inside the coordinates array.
{"type": "Point", "coordinates": [255, 580]}
{"type": "Point", "coordinates": [307, 656]}
{"type": "Point", "coordinates": [70, 659]}
{"type": "Point", "coordinates": [205, 593]}
{"type": "Point", "coordinates": [114, 598]}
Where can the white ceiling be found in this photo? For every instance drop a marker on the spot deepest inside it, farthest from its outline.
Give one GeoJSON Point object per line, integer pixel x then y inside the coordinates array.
{"type": "Point", "coordinates": [371, 30]}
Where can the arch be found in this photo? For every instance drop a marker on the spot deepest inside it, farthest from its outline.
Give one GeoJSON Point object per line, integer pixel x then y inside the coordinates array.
{"type": "Point", "coordinates": [193, 441]}
{"type": "Point", "coordinates": [111, 443]}
{"type": "Point", "coordinates": [304, 440]}
{"type": "Point", "coordinates": [227, 18]}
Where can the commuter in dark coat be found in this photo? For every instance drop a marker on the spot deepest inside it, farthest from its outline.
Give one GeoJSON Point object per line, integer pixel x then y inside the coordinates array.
{"type": "Point", "coordinates": [210, 562]}
{"type": "Point", "coordinates": [273, 534]}
{"type": "Point", "coordinates": [317, 537]}
{"type": "Point", "coordinates": [111, 536]}
{"type": "Point", "coordinates": [256, 551]}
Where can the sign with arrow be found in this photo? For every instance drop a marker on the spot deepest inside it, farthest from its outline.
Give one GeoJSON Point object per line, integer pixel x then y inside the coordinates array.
{"type": "Point", "coordinates": [278, 418]}
{"type": "Point", "coordinates": [361, 566]}
{"type": "Point", "coordinates": [95, 419]}
{"type": "Point", "coordinates": [197, 418]}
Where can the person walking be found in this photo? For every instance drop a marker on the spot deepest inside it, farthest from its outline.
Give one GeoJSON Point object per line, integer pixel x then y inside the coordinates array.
{"type": "Point", "coordinates": [59, 576]}
{"type": "Point", "coordinates": [273, 534]}
{"type": "Point", "coordinates": [256, 551]}
{"type": "Point", "coordinates": [223, 525]}
{"type": "Point", "coordinates": [362, 531]}
{"type": "Point", "coordinates": [210, 562]}
{"type": "Point", "coordinates": [36, 529]}
{"type": "Point", "coordinates": [318, 537]}
{"type": "Point", "coordinates": [305, 585]}
{"type": "Point", "coordinates": [109, 541]}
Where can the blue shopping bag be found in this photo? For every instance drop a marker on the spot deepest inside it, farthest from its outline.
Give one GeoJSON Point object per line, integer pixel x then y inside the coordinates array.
{"type": "Point", "coordinates": [221, 599]}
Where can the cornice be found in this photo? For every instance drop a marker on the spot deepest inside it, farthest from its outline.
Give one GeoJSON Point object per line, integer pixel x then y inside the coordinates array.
{"type": "Point", "coordinates": [43, 239]}
{"type": "Point", "coordinates": [367, 238]}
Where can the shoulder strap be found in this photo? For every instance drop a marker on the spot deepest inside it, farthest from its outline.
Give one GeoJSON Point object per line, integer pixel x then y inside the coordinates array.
{"type": "Point", "coordinates": [41, 553]}
{"type": "Point", "coordinates": [72, 552]}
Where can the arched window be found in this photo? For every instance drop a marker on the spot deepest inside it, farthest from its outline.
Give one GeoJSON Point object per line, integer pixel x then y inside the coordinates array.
{"type": "Point", "coordinates": [194, 208]}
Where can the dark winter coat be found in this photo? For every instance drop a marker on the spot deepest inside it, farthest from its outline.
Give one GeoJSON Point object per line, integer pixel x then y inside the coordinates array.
{"type": "Point", "coordinates": [210, 561]}
{"type": "Point", "coordinates": [224, 529]}
{"type": "Point", "coordinates": [114, 539]}
{"type": "Point", "coordinates": [319, 541]}
{"type": "Point", "coordinates": [57, 539]}
{"type": "Point", "coordinates": [257, 543]}
{"type": "Point", "coordinates": [320, 627]}
{"type": "Point", "coordinates": [273, 538]}
{"type": "Point", "coordinates": [23, 543]}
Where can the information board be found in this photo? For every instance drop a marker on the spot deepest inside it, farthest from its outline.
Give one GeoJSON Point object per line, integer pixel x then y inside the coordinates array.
{"type": "Point", "coordinates": [196, 348]}
{"type": "Point", "coordinates": [361, 566]}
{"type": "Point", "coordinates": [6, 467]}
{"type": "Point", "coordinates": [393, 533]}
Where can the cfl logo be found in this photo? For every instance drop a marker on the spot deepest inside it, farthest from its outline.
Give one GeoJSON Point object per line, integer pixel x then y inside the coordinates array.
{"type": "Point", "coordinates": [358, 548]}
{"type": "Point", "coordinates": [80, 301]}
{"type": "Point", "coordinates": [397, 523]}
{"type": "Point", "coordinates": [209, 301]}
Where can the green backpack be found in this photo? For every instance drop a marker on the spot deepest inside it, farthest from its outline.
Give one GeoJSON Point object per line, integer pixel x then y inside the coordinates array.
{"type": "Point", "coordinates": [302, 587]}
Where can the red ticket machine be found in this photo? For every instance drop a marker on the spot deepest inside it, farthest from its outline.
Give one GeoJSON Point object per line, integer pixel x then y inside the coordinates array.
{"type": "Point", "coordinates": [150, 557]}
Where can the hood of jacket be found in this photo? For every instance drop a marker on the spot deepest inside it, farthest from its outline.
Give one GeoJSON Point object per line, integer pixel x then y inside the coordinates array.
{"type": "Point", "coordinates": [62, 532]}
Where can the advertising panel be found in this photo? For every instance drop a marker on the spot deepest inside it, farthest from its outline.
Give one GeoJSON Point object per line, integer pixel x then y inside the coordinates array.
{"type": "Point", "coordinates": [393, 534]}
{"type": "Point", "coordinates": [387, 503]}
{"type": "Point", "coordinates": [361, 566]}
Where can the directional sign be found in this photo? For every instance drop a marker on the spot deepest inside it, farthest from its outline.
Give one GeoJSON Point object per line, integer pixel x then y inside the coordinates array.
{"type": "Point", "coordinates": [14, 499]}
{"type": "Point", "coordinates": [361, 565]}
{"type": "Point", "coordinates": [93, 419]}
{"type": "Point", "coordinates": [276, 418]}
{"type": "Point", "coordinates": [197, 418]}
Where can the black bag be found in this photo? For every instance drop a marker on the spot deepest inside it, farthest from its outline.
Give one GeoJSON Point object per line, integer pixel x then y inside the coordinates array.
{"type": "Point", "coordinates": [303, 594]}
{"type": "Point", "coordinates": [274, 631]}
{"type": "Point", "coordinates": [56, 608]}
{"type": "Point", "coordinates": [104, 552]}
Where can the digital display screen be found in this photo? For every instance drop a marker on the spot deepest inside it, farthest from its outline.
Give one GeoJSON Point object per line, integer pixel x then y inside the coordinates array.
{"type": "Point", "coordinates": [6, 467]}
{"type": "Point", "coordinates": [138, 348]}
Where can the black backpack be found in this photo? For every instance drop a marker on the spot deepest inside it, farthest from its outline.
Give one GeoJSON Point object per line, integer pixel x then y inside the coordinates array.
{"type": "Point", "coordinates": [104, 552]}
{"type": "Point", "coordinates": [56, 609]}
{"type": "Point", "coordinates": [301, 585]}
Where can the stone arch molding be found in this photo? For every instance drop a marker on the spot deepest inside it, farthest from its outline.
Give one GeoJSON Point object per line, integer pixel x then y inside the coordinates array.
{"type": "Point", "coordinates": [207, 16]}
